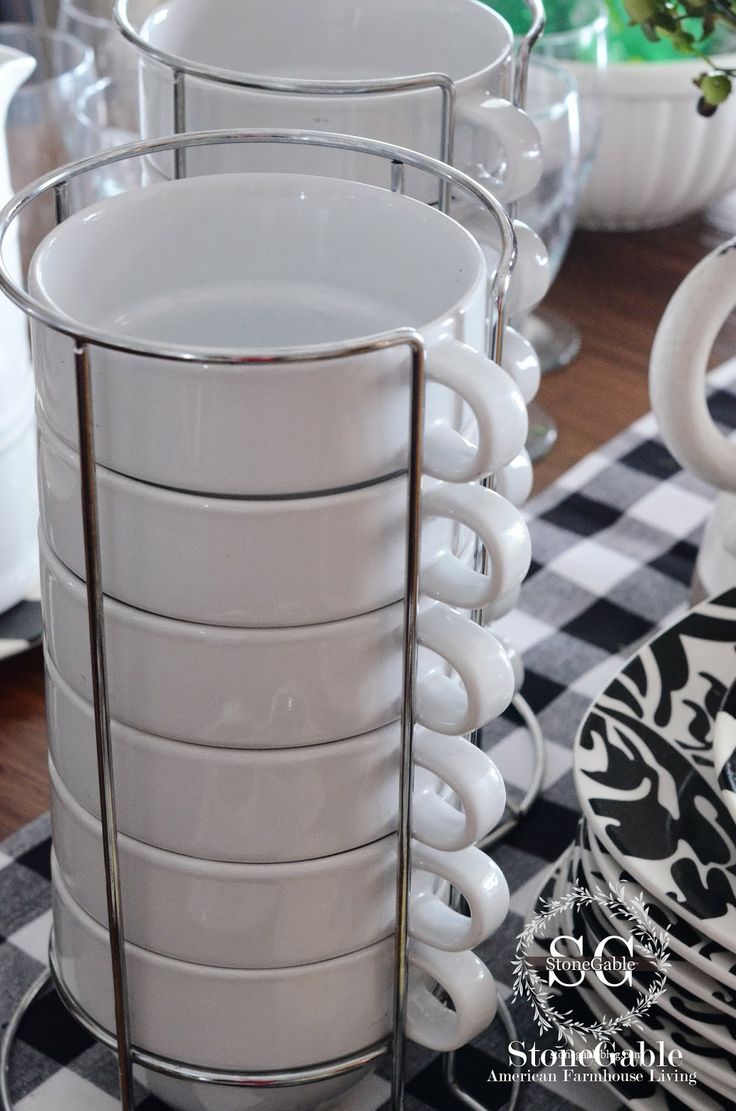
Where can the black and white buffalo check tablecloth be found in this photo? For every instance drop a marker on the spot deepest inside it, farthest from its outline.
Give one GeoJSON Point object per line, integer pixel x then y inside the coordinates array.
{"type": "Point", "coordinates": [614, 545]}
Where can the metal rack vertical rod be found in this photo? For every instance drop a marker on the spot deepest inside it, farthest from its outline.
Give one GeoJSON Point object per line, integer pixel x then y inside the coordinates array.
{"type": "Point", "coordinates": [98, 657]}
{"type": "Point", "coordinates": [403, 874]}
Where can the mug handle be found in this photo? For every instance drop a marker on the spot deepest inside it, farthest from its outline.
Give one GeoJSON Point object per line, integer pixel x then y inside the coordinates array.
{"type": "Point", "coordinates": [521, 362]}
{"type": "Point", "coordinates": [468, 984]}
{"type": "Point", "coordinates": [480, 882]}
{"type": "Point", "coordinates": [471, 776]}
{"type": "Point", "coordinates": [515, 481]}
{"type": "Point", "coordinates": [486, 675]}
{"type": "Point", "coordinates": [499, 527]}
{"type": "Point", "coordinates": [678, 366]}
{"type": "Point", "coordinates": [520, 142]}
{"type": "Point", "coordinates": [497, 406]}
{"type": "Point", "coordinates": [531, 275]}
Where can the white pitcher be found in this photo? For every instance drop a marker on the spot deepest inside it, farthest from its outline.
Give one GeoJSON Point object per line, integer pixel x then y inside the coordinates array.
{"type": "Point", "coordinates": [18, 504]}
{"type": "Point", "coordinates": [679, 362]}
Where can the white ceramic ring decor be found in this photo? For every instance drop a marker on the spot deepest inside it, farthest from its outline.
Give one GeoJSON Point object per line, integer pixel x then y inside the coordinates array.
{"type": "Point", "coordinates": [294, 1016]}
{"type": "Point", "coordinates": [261, 262]}
{"type": "Point", "coordinates": [274, 688]}
{"type": "Point", "coordinates": [272, 915]}
{"type": "Point", "coordinates": [277, 562]}
{"type": "Point", "coordinates": [274, 804]}
{"type": "Point", "coordinates": [679, 363]}
{"type": "Point", "coordinates": [495, 142]}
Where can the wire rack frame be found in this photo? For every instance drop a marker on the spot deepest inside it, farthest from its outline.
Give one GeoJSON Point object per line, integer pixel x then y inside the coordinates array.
{"type": "Point", "coordinates": [85, 340]}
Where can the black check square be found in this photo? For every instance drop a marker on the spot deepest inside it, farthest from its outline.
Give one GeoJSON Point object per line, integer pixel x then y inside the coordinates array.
{"type": "Point", "coordinates": [539, 691]}
{"type": "Point", "coordinates": [582, 515]}
{"type": "Point", "coordinates": [722, 406]}
{"type": "Point", "coordinates": [608, 626]}
{"type": "Point", "coordinates": [653, 458]}
{"type": "Point", "coordinates": [38, 859]}
{"type": "Point", "coordinates": [50, 1031]}
{"type": "Point", "coordinates": [547, 831]}
{"type": "Point", "coordinates": [677, 562]}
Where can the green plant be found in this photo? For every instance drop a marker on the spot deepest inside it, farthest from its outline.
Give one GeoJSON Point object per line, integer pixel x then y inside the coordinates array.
{"type": "Point", "coordinates": [687, 24]}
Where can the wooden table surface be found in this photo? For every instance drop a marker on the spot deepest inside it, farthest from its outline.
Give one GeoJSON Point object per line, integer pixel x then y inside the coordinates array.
{"type": "Point", "coordinates": [614, 288]}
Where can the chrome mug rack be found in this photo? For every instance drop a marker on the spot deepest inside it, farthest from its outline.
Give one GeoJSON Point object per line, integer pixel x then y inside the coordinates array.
{"type": "Point", "coordinates": [86, 341]}
{"type": "Point", "coordinates": [131, 15]}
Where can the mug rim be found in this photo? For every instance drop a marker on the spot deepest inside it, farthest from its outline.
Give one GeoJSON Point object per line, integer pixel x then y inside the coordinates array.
{"type": "Point", "coordinates": [196, 869]}
{"type": "Point", "coordinates": [85, 920]}
{"type": "Point", "coordinates": [233, 79]}
{"type": "Point", "coordinates": [54, 569]}
{"type": "Point", "coordinates": [260, 184]}
{"type": "Point", "coordinates": [272, 505]}
{"type": "Point", "coordinates": [380, 735]}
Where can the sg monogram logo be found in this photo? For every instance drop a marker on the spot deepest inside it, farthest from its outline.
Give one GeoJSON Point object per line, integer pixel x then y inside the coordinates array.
{"type": "Point", "coordinates": [549, 963]}
{"type": "Point", "coordinates": [613, 970]}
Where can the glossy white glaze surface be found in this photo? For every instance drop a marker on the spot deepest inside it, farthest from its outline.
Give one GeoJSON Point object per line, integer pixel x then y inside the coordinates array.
{"type": "Point", "coordinates": [293, 1016]}
{"type": "Point", "coordinates": [274, 688]}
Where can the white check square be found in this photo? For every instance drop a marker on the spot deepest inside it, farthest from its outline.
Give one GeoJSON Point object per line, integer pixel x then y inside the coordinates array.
{"type": "Point", "coordinates": [593, 566]}
{"type": "Point", "coordinates": [672, 510]}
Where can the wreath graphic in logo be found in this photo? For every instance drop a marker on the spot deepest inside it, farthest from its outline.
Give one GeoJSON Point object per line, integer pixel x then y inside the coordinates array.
{"type": "Point", "coordinates": [648, 937]}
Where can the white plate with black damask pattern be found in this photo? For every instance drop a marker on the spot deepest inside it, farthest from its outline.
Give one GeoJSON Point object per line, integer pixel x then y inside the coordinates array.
{"type": "Point", "coordinates": [724, 749]}
{"type": "Point", "coordinates": [631, 1086]}
{"type": "Point", "coordinates": [694, 1012]}
{"type": "Point", "coordinates": [698, 964]}
{"type": "Point", "coordinates": [714, 1069]}
{"type": "Point", "coordinates": [644, 769]}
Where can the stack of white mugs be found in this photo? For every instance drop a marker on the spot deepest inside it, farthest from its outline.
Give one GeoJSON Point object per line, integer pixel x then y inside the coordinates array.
{"type": "Point", "coordinates": [253, 526]}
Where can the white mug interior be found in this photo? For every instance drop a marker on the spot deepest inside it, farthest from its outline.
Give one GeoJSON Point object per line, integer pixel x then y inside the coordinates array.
{"type": "Point", "coordinates": [256, 262]}
{"type": "Point", "coordinates": [366, 40]}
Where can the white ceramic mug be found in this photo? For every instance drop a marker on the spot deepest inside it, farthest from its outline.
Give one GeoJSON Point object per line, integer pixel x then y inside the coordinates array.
{"type": "Point", "coordinates": [275, 688]}
{"type": "Point", "coordinates": [294, 1017]}
{"type": "Point", "coordinates": [273, 915]}
{"type": "Point", "coordinates": [18, 509]}
{"type": "Point", "coordinates": [339, 41]}
{"type": "Point", "coordinates": [274, 804]}
{"type": "Point", "coordinates": [277, 562]}
{"type": "Point", "coordinates": [265, 261]}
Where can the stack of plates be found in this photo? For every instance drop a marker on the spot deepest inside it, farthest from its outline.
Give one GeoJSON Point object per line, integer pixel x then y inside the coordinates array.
{"type": "Point", "coordinates": [656, 824]}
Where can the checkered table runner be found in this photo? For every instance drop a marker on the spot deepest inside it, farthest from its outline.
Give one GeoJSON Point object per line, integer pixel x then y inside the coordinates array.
{"type": "Point", "coordinates": [614, 543]}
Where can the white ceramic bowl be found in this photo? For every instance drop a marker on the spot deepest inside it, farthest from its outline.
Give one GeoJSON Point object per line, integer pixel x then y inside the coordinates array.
{"type": "Point", "coordinates": [263, 262]}
{"type": "Point", "coordinates": [273, 804]}
{"type": "Point", "coordinates": [276, 562]}
{"type": "Point", "coordinates": [18, 509]}
{"type": "Point", "coordinates": [658, 160]}
{"type": "Point", "coordinates": [372, 40]}
{"type": "Point", "coordinates": [293, 1017]}
{"type": "Point", "coordinates": [273, 915]}
{"type": "Point", "coordinates": [274, 688]}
